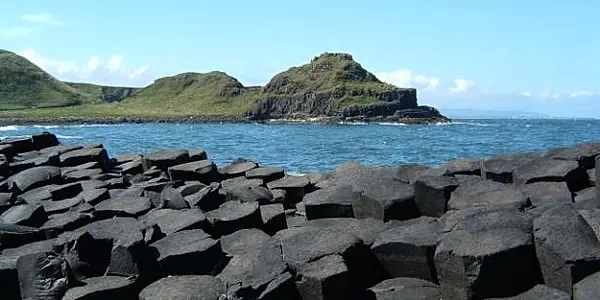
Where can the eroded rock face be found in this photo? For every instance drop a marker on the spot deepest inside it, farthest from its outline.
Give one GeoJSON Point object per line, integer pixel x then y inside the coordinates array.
{"type": "Point", "coordinates": [75, 224]}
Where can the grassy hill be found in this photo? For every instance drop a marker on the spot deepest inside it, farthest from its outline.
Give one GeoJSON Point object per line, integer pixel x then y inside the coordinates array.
{"type": "Point", "coordinates": [25, 85]}
{"type": "Point", "coordinates": [328, 84]}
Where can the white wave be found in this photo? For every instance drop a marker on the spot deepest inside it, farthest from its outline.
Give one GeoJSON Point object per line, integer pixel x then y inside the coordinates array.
{"type": "Point", "coordinates": [353, 123]}
{"type": "Point", "coordinates": [468, 124]}
{"type": "Point", "coordinates": [68, 137]}
{"type": "Point", "coordinates": [46, 126]}
{"type": "Point", "coordinates": [14, 137]}
{"type": "Point", "coordinates": [9, 128]}
{"type": "Point", "coordinates": [391, 124]}
{"type": "Point", "coordinates": [292, 173]}
{"type": "Point", "coordinates": [90, 125]}
{"type": "Point", "coordinates": [444, 123]}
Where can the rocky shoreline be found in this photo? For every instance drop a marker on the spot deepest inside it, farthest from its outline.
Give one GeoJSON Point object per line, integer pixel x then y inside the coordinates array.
{"type": "Point", "coordinates": [77, 224]}
{"type": "Point", "coordinates": [216, 119]}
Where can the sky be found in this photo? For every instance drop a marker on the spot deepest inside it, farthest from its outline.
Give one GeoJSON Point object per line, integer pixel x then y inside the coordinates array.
{"type": "Point", "coordinates": [538, 56]}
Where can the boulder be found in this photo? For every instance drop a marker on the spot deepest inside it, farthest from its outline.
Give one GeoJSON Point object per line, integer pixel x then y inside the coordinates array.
{"type": "Point", "coordinates": [282, 287]}
{"type": "Point", "coordinates": [542, 292]}
{"type": "Point", "coordinates": [326, 278]}
{"type": "Point", "coordinates": [43, 275]}
{"type": "Point", "coordinates": [487, 193]}
{"type": "Point", "coordinates": [556, 232]}
{"type": "Point", "coordinates": [403, 288]}
{"type": "Point", "coordinates": [67, 221]}
{"type": "Point", "coordinates": [66, 191]}
{"type": "Point", "coordinates": [244, 240]}
{"type": "Point", "coordinates": [407, 248]}
{"type": "Point", "coordinates": [191, 187]}
{"type": "Point", "coordinates": [468, 166]}
{"type": "Point", "coordinates": [198, 154]}
{"type": "Point", "coordinates": [586, 289]}
{"type": "Point", "coordinates": [266, 174]}
{"type": "Point", "coordinates": [80, 175]}
{"type": "Point", "coordinates": [258, 194]}
{"type": "Point", "coordinates": [170, 221]}
{"type": "Point", "coordinates": [500, 168]}
{"type": "Point", "coordinates": [172, 198]}
{"type": "Point", "coordinates": [547, 193]}
{"type": "Point", "coordinates": [83, 156]}
{"type": "Point", "coordinates": [237, 168]}
{"type": "Point", "coordinates": [487, 263]}
{"type": "Point", "coordinates": [233, 215]}
{"type": "Point", "coordinates": [25, 214]}
{"type": "Point", "coordinates": [432, 194]}
{"type": "Point", "coordinates": [34, 177]}
{"type": "Point", "coordinates": [584, 154]}
{"type": "Point", "coordinates": [123, 206]}
{"type": "Point", "coordinates": [95, 196]}
{"type": "Point", "coordinates": [133, 167]}
{"type": "Point", "coordinates": [586, 198]}
{"type": "Point", "coordinates": [241, 181]}
{"type": "Point", "coordinates": [12, 235]}
{"type": "Point", "coordinates": [273, 217]}
{"type": "Point", "coordinates": [104, 287]}
{"type": "Point", "coordinates": [164, 159]}
{"type": "Point", "coordinates": [175, 252]}
{"type": "Point", "coordinates": [385, 200]}
{"type": "Point", "coordinates": [61, 206]}
{"type": "Point", "coordinates": [331, 202]}
{"type": "Point", "coordinates": [295, 187]}
{"type": "Point", "coordinates": [481, 218]}
{"type": "Point", "coordinates": [204, 171]}
{"type": "Point", "coordinates": [408, 173]}
{"type": "Point", "coordinates": [553, 170]}
{"type": "Point", "coordinates": [207, 199]}
{"type": "Point", "coordinates": [185, 287]}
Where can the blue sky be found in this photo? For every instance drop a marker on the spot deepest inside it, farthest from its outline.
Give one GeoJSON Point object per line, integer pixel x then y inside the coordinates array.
{"type": "Point", "coordinates": [541, 56]}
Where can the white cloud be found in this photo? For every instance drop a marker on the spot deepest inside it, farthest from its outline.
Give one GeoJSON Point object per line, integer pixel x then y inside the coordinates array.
{"type": "Point", "coordinates": [41, 18]}
{"type": "Point", "coordinates": [15, 31]}
{"type": "Point", "coordinates": [526, 94]}
{"type": "Point", "coordinates": [461, 85]}
{"type": "Point", "coordinates": [583, 94]}
{"type": "Point", "coordinates": [114, 72]}
{"type": "Point", "coordinates": [405, 78]}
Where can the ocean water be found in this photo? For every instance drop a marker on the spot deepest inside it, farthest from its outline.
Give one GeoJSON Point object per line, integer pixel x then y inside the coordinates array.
{"type": "Point", "coordinates": [303, 148]}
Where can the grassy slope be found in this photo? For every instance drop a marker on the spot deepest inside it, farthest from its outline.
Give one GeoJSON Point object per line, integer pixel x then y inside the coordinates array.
{"type": "Point", "coordinates": [200, 94]}
{"type": "Point", "coordinates": [24, 85]}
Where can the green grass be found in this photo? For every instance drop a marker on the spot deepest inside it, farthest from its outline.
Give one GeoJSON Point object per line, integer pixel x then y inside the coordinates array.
{"type": "Point", "coordinates": [26, 91]}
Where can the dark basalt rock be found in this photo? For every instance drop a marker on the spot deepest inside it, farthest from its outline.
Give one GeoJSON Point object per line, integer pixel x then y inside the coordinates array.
{"type": "Point", "coordinates": [233, 215]}
{"type": "Point", "coordinates": [403, 288]}
{"type": "Point", "coordinates": [586, 289]}
{"type": "Point", "coordinates": [273, 216]}
{"type": "Point", "coordinates": [105, 287]}
{"type": "Point", "coordinates": [553, 170]}
{"type": "Point", "coordinates": [66, 191]}
{"type": "Point", "coordinates": [25, 214]}
{"type": "Point", "coordinates": [247, 194]}
{"type": "Point", "coordinates": [282, 287]}
{"type": "Point", "coordinates": [432, 194]}
{"type": "Point", "coordinates": [540, 292]}
{"type": "Point", "coordinates": [241, 181]}
{"type": "Point", "coordinates": [175, 252]}
{"type": "Point", "coordinates": [207, 199]}
{"type": "Point", "coordinates": [584, 154]}
{"type": "Point", "coordinates": [191, 187]}
{"type": "Point", "coordinates": [124, 206]}
{"type": "Point", "coordinates": [198, 154]}
{"type": "Point", "coordinates": [462, 167]}
{"type": "Point", "coordinates": [12, 235]}
{"type": "Point", "coordinates": [331, 202]}
{"type": "Point", "coordinates": [83, 156]}
{"type": "Point", "coordinates": [501, 168]}
{"type": "Point", "coordinates": [133, 167]}
{"type": "Point", "coordinates": [487, 193]}
{"type": "Point", "coordinates": [244, 240]}
{"type": "Point", "coordinates": [556, 232]}
{"type": "Point", "coordinates": [170, 221]}
{"type": "Point", "coordinates": [295, 188]}
{"type": "Point", "coordinates": [172, 198]}
{"type": "Point", "coordinates": [185, 287]}
{"type": "Point", "coordinates": [167, 158]}
{"type": "Point", "coordinates": [204, 171]}
{"type": "Point", "coordinates": [267, 174]}
{"type": "Point", "coordinates": [407, 248]}
{"type": "Point", "coordinates": [43, 140]}
{"type": "Point", "coordinates": [325, 278]}
{"type": "Point", "coordinates": [43, 275]}
{"type": "Point", "coordinates": [34, 177]}
{"type": "Point", "coordinates": [237, 168]}
{"type": "Point", "coordinates": [67, 221]}
{"type": "Point", "coordinates": [547, 193]}
{"type": "Point", "coordinates": [95, 196]}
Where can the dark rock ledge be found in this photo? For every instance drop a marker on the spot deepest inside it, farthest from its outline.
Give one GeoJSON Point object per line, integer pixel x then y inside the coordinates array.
{"type": "Point", "coordinates": [77, 224]}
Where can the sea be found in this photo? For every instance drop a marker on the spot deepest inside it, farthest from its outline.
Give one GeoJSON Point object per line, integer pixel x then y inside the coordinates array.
{"type": "Point", "coordinates": [305, 148]}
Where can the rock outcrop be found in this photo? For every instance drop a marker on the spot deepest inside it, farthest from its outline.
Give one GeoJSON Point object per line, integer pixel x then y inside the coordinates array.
{"type": "Point", "coordinates": [173, 225]}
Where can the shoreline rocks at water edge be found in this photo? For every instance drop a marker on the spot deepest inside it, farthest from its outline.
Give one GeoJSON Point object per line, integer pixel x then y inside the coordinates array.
{"type": "Point", "coordinates": [78, 224]}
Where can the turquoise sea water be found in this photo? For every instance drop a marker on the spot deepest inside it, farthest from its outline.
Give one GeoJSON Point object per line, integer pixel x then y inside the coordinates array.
{"type": "Point", "coordinates": [304, 148]}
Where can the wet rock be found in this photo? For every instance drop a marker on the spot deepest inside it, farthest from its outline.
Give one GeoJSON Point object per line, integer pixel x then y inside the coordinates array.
{"type": "Point", "coordinates": [12, 235]}
{"type": "Point", "coordinates": [83, 156]}
{"type": "Point", "coordinates": [432, 194]}
{"type": "Point", "coordinates": [237, 168]}
{"type": "Point", "coordinates": [184, 287]}
{"type": "Point", "coordinates": [258, 194]}
{"type": "Point", "coordinates": [553, 170]}
{"type": "Point", "coordinates": [167, 158]}
{"type": "Point", "coordinates": [547, 193]}
{"type": "Point", "coordinates": [123, 206]}
{"type": "Point", "coordinates": [204, 171]}
{"type": "Point", "coordinates": [175, 252]}
{"type": "Point", "coordinates": [331, 202]}
{"type": "Point", "coordinates": [42, 275]}
{"type": "Point", "coordinates": [244, 240]}
{"type": "Point", "coordinates": [34, 177]}
{"type": "Point", "coordinates": [232, 216]}
{"type": "Point", "coordinates": [170, 221]}
{"type": "Point", "coordinates": [248, 273]}
{"type": "Point", "coordinates": [407, 248]}
{"type": "Point", "coordinates": [404, 289]}
{"type": "Point", "coordinates": [325, 278]}
{"type": "Point", "coordinates": [267, 174]}
{"type": "Point", "coordinates": [487, 193]}
{"type": "Point", "coordinates": [294, 186]}
{"type": "Point", "coordinates": [25, 214]}
{"type": "Point", "coordinates": [556, 231]}
{"type": "Point", "coordinates": [273, 216]}
{"type": "Point", "coordinates": [105, 287]}
{"type": "Point", "coordinates": [207, 199]}
{"type": "Point", "coordinates": [500, 168]}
